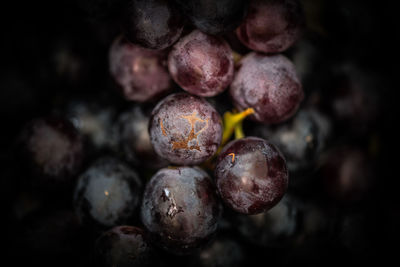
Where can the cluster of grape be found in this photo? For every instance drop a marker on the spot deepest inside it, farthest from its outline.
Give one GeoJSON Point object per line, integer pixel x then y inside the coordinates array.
{"type": "Point", "coordinates": [211, 144]}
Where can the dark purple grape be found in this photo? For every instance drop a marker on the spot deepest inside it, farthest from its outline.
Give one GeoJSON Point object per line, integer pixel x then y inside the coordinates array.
{"type": "Point", "coordinates": [141, 73]}
{"type": "Point", "coordinates": [154, 24]}
{"type": "Point", "coordinates": [222, 252]}
{"type": "Point", "coordinates": [274, 228]}
{"type": "Point", "coordinates": [185, 129]}
{"type": "Point", "coordinates": [214, 17]}
{"type": "Point", "coordinates": [271, 26]}
{"type": "Point", "coordinates": [347, 174]}
{"type": "Point", "coordinates": [251, 175]}
{"type": "Point", "coordinates": [269, 85]}
{"type": "Point", "coordinates": [180, 208]}
{"type": "Point", "coordinates": [201, 64]}
{"type": "Point", "coordinates": [53, 149]}
{"type": "Point", "coordinates": [107, 193]}
{"type": "Point", "coordinates": [135, 139]}
{"type": "Point", "coordinates": [300, 140]}
{"type": "Point", "coordinates": [123, 246]}
{"type": "Point", "coordinates": [95, 122]}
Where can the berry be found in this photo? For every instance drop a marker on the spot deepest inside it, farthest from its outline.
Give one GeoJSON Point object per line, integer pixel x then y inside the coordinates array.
{"type": "Point", "coordinates": [201, 64]}
{"type": "Point", "coordinates": [214, 17]}
{"type": "Point", "coordinates": [180, 208]}
{"type": "Point", "coordinates": [123, 246]}
{"type": "Point", "coordinates": [135, 139]}
{"type": "Point", "coordinates": [154, 24]}
{"type": "Point", "coordinates": [251, 175]}
{"type": "Point", "coordinates": [269, 85]}
{"type": "Point", "coordinates": [107, 193]}
{"type": "Point", "coordinates": [53, 149]}
{"type": "Point", "coordinates": [141, 73]}
{"type": "Point", "coordinates": [271, 26]}
{"type": "Point", "coordinates": [185, 129]}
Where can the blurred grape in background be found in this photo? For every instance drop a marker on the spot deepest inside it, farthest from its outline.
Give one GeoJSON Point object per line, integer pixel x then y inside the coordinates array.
{"type": "Point", "coordinates": [316, 78]}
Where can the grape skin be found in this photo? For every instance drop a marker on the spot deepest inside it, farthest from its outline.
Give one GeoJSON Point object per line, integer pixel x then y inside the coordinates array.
{"type": "Point", "coordinates": [185, 129]}
{"type": "Point", "coordinates": [53, 149]}
{"type": "Point", "coordinates": [251, 175]}
{"type": "Point", "coordinates": [201, 64]}
{"type": "Point", "coordinates": [154, 24]}
{"type": "Point", "coordinates": [107, 193]}
{"type": "Point", "coordinates": [214, 17]}
{"type": "Point", "coordinates": [123, 246]}
{"type": "Point", "coordinates": [141, 73]}
{"type": "Point", "coordinates": [269, 85]}
{"type": "Point", "coordinates": [180, 208]}
{"type": "Point", "coordinates": [271, 26]}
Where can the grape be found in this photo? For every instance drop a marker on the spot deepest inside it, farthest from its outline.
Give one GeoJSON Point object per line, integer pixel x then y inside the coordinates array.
{"type": "Point", "coordinates": [141, 73]}
{"type": "Point", "coordinates": [274, 228]}
{"type": "Point", "coordinates": [185, 129]}
{"type": "Point", "coordinates": [301, 139]}
{"type": "Point", "coordinates": [107, 193]}
{"type": "Point", "coordinates": [180, 208]}
{"type": "Point", "coordinates": [269, 85]}
{"type": "Point", "coordinates": [95, 122]}
{"type": "Point", "coordinates": [214, 17]}
{"type": "Point", "coordinates": [201, 64]}
{"type": "Point", "coordinates": [347, 174]}
{"type": "Point", "coordinates": [154, 24]}
{"type": "Point", "coordinates": [135, 139]}
{"type": "Point", "coordinates": [224, 252]}
{"type": "Point", "coordinates": [251, 175]}
{"type": "Point", "coordinates": [123, 246]}
{"type": "Point", "coordinates": [53, 149]}
{"type": "Point", "coordinates": [271, 26]}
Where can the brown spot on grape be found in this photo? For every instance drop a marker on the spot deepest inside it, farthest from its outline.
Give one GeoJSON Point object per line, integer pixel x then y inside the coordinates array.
{"type": "Point", "coordinates": [184, 143]}
{"type": "Point", "coordinates": [162, 128]}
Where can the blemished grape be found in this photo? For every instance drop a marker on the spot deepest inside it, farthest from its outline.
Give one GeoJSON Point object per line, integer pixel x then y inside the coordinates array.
{"type": "Point", "coordinates": [274, 228]}
{"type": "Point", "coordinates": [180, 208]}
{"type": "Point", "coordinates": [300, 140]}
{"type": "Point", "coordinates": [251, 175]}
{"type": "Point", "coordinates": [154, 24]}
{"type": "Point", "coordinates": [201, 64]}
{"type": "Point", "coordinates": [185, 129]}
{"type": "Point", "coordinates": [271, 26]}
{"type": "Point", "coordinates": [123, 246]}
{"type": "Point", "coordinates": [135, 139]}
{"type": "Point", "coordinates": [214, 17]}
{"type": "Point", "coordinates": [141, 73]}
{"type": "Point", "coordinates": [269, 85]}
{"type": "Point", "coordinates": [107, 193]}
{"type": "Point", "coordinates": [54, 151]}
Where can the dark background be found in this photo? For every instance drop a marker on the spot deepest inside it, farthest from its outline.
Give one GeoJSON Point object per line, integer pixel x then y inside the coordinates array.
{"type": "Point", "coordinates": [36, 76]}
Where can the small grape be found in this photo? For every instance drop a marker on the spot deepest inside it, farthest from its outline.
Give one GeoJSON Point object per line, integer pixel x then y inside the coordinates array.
{"type": "Point", "coordinates": [225, 252]}
{"type": "Point", "coordinates": [269, 85]}
{"type": "Point", "coordinates": [154, 24]}
{"type": "Point", "coordinates": [107, 193]}
{"type": "Point", "coordinates": [214, 17]}
{"type": "Point", "coordinates": [271, 26]}
{"type": "Point", "coordinates": [251, 175]}
{"type": "Point", "coordinates": [140, 72]}
{"type": "Point", "coordinates": [201, 64]}
{"type": "Point", "coordinates": [185, 129]}
{"type": "Point", "coordinates": [53, 149]}
{"type": "Point", "coordinates": [135, 139]}
{"type": "Point", "coordinates": [123, 246]}
{"type": "Point", "coordinates": [180, 208]}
